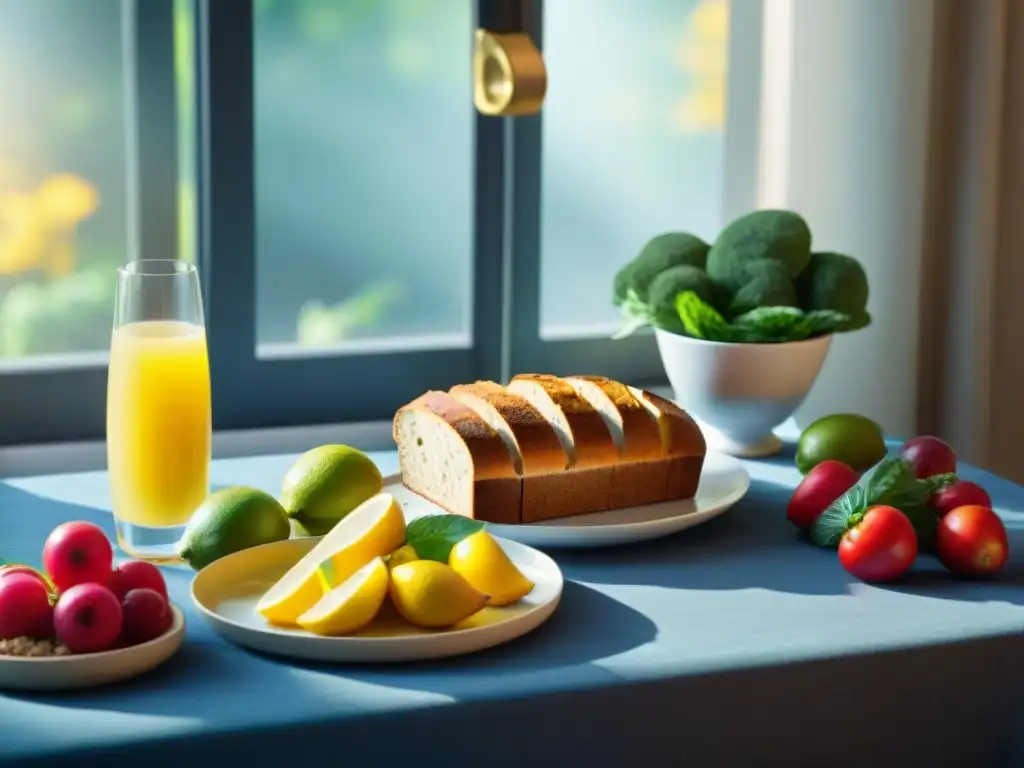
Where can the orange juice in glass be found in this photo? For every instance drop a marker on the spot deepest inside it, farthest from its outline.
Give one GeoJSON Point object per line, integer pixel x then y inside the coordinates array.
{"type": "Point", "coordinates": [159, 417]}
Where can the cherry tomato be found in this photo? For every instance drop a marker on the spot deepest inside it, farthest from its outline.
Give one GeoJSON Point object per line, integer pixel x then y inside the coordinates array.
{"type": "Point", "coordinates": [825, 483]}
{"type": "Point", "coordinates": [959, 494]}
{"type": "Point", "coordinates": [972, 541]}
{"type": "Point", "coordinates": [881, 546]}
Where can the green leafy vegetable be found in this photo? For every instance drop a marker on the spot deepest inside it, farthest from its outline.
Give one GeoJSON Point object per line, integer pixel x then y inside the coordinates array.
{"type": "Point", "coordinates": [433, 536]}
{"type": "Point", "coordinates": [700, 319]}
{"type": "Point", "coordinates": [891, 481]}
{"type": "Point", "coordinates": [764, 325]}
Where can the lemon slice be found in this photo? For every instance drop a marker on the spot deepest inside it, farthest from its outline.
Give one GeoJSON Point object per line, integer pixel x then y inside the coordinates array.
{"type": "Point", "coordinates": [351, 606]}
{"type": "Point", "coordinates": [481, 561]}
{"type": "Point", "coordinates": [373, 529]}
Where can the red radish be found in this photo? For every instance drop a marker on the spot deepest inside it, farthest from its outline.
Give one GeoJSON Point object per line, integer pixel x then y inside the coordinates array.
{"type": "Point", "coordinates": [929, 456]}
{"type": "Point", "coordinates": [8, 570]}
{"type": "Point", "coordinates": [88, 618]}
{"type": "Point", "coordinates": [960, 494]}
{"type": "Point", "coordinates": [972, 541]}
{"type": "Point", "coordinates": [881, 545]}
{"type": "Point", "coordinates": [146, 616]}
{"type": "Point", "coordinates": [24, 607]}
{"type": "Point", "coordinates": [77, 553]}
{"type": "Point", "coordinates": [825, 483]}
{"type": "Point", "coordinates": [136, 574]}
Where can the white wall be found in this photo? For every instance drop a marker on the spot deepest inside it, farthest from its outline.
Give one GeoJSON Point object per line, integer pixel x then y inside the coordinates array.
{"type": "Point", "coordinates": [845, 111]}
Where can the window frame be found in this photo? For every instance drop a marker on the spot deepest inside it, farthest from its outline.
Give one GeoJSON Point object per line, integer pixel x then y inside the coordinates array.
{"type": "Point", "coordinates": [324, 388]}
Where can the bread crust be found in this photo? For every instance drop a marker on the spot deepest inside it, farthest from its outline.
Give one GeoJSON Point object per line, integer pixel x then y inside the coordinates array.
{"type": "Point", "coordinates": [594, 444]}
{"type": "Point", "coordinates": [539, 446]}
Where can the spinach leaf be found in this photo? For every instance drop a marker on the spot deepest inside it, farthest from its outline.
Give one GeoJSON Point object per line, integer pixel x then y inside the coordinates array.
{"type": "Point", "coordinates": [700, 319]}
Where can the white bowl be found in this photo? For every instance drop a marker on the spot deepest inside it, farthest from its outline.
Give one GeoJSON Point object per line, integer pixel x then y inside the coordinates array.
{"type": "Point", "coordinates": [739, 393]}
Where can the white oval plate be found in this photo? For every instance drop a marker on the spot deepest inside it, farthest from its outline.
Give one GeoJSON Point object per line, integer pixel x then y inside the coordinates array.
{"type": "Point", "coordinates": [723, 482]}
{"type": "Point", "coordinates": [227, 590]}
{"type": "Point", "coordinates": [60, 673]}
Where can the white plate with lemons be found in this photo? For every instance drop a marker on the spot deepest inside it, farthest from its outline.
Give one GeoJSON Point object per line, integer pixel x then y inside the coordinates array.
{"type": "Point", "coordinates": [344, 598]}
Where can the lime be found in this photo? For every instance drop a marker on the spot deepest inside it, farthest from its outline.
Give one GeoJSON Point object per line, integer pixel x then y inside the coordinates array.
{"type": "Point", "coordinates": [231, 520]}
{"type": "Point", "coordinates": [327, 483]}
{"type": "Point", "coordinates": [853, 439]}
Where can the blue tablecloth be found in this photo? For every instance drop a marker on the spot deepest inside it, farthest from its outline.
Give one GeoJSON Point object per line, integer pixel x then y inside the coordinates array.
{"type": "Point", "coordinates": [729, 644]}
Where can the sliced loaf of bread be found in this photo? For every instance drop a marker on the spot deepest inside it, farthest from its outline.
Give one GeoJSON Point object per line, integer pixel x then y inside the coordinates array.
{"type": "Point", "coordinates": [449, 455]}
{"type": "Point", "coordinates": [546, 447]}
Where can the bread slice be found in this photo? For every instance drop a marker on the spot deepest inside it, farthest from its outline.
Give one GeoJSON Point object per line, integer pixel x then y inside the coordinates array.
{"type": "Point", "coordinates": [683, 443]}
{"type": "Point", "coordinates": [450, 456]}
{"type": "Point", "coordinates": [537, 452]}
{"type": "Point", "coordinates": [587, 485]}
{"type": "Point", "coordinates": [535, 447]}
{"type": "Point", "coordinates": [641, 476]}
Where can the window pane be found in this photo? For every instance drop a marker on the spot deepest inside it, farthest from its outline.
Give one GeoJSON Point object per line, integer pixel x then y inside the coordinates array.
{"type": "Point", "coordinates": [63, 199]}
{"type": "Point", "coordinates": [633, 143]}
{"type": "Point", "coordinates": [364, 148]}
{"type": "Point", "coordinates": [90, 157]}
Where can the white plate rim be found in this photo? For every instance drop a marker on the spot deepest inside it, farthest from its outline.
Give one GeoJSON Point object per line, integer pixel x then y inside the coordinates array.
{"type": "Point", "coordinates": [531, 618]}
{"type": "Point", "coordinates": [630, 532]}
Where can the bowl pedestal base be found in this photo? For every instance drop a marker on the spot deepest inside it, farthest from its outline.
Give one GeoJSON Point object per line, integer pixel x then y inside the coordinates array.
{"type": "Point", "coordinates": [769, 445]}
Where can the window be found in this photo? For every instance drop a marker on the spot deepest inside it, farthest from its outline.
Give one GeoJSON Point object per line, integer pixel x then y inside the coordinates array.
{"type": "Point", "coordinates": [362, 234]}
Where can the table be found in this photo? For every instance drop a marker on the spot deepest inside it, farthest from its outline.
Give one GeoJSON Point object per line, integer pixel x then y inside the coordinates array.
{"type": "Point", "coordinates": [729, 644]}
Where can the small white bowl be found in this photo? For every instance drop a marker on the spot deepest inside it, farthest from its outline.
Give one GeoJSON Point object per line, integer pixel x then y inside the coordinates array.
{"type": "Point", "coordinates": [739, 393]}
{"type": "Point", "coordinates": [85, 670]}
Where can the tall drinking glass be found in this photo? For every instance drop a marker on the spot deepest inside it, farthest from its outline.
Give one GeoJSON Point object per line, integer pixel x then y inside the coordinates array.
{"type": "Point", "coordinates": [159, 418]}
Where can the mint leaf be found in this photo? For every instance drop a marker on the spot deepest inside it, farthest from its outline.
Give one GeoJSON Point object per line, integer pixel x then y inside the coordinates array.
{"type": "Point", "coordinates": [831, 524]}
{"type": "Point", "coordinates": [891, 478]}
{"type": "Point", "coordinates": [700, 319]}
{"type": "Point", "coordinates": [891, 481]}
{"type": "Point", "coordinates": [433, 536]}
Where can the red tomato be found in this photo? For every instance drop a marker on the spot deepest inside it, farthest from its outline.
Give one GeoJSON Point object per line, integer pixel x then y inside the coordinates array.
{"type": "Point", "coordinates": [820, 487]}
{"type": "Point", "coordinates": [880, 547]}
{"type": "Point", "coordinates": [959, 494]}
{"type": "Point", "coordinates": [971, 541]}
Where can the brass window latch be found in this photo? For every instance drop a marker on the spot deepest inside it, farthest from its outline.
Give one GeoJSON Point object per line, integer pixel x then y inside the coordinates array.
{"type": "Point", "coordinates": [509, 76]}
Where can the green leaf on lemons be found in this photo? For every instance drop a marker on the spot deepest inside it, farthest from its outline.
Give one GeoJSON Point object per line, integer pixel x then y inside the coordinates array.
{"type": "Point", "coordinates": [433, 536]}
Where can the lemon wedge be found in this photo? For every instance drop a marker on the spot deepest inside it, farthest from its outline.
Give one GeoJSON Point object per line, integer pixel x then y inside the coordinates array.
{"type": "Point", "coordinates": [481, 561]}
{"type": "Point", "coordinates": [371, 530]}
{"type": "Point", "coordinates": [351, 606]}
{"type": "Point", "coordinates": [431, 595]}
